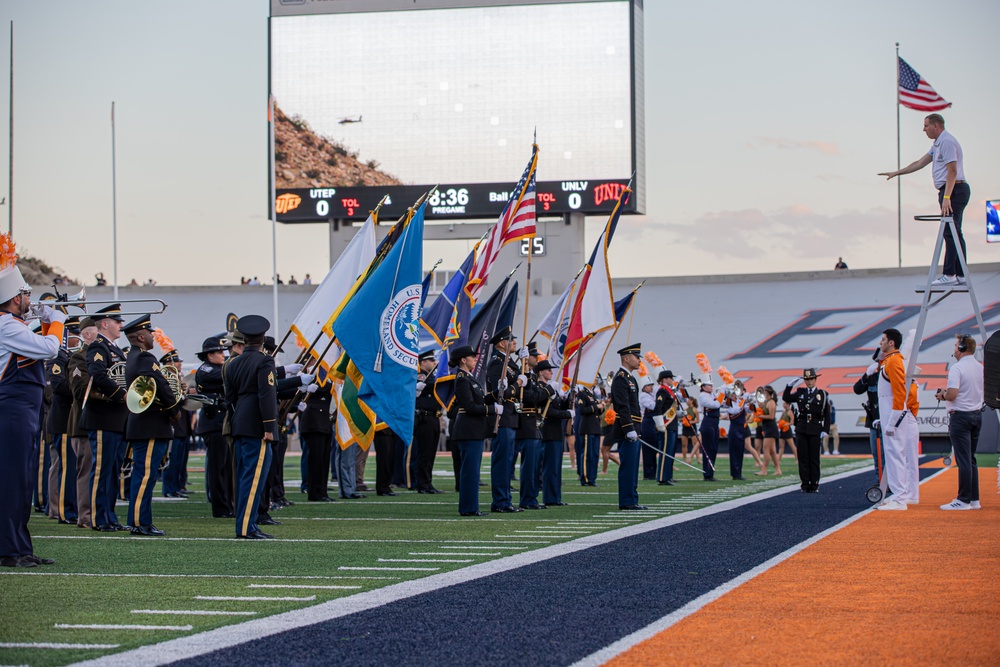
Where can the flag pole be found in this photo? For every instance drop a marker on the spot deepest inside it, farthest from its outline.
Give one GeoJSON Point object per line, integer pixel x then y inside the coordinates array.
{"type": "Point", "coordinates": [10, 145]}
{"type": "Point", "coordinates": [899, 183]}
{"type": "Point", "coordinates": [114, 206]}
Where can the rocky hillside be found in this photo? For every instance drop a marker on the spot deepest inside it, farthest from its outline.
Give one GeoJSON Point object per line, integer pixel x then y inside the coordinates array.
{"type": "Point", "coordinates": [37, 272]}
{"type": "Point", "coordinates": [304, 159]}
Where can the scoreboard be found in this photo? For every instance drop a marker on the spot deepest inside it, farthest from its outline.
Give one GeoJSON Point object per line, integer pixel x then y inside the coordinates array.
{"type": "Point", "coordinates": [390, 97]}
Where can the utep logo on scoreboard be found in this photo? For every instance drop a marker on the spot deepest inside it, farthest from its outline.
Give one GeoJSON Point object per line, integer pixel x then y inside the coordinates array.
{"type": "Point", "coordinates": [287, 202]}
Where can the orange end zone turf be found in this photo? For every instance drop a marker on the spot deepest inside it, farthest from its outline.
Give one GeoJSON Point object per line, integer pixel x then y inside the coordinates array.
{"type": "Point", "coordinates": [920, 587]}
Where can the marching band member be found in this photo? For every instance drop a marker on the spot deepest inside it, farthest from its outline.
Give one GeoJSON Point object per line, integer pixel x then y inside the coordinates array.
{"type": "Point", "coordinates": [813, 415]}
{"type": "Point", "coordinates": [103, 414]}
{"type": "Point", "coordinates": [647, 428]}
{"type": "Point", "coordinates": [177, 457]}
{"type": "Point", "coordinates": [625, 399]}
{"type": "Point", "coordinates": [898, 408]}
{"type": "Point", "coordinates": [473, 422]}
{"type": "Point", "coordinates": [710, 407]}
{"type": "Point", "coordinates": [786, 434]}
{"type": "Point", "coordinates": [149, 432]}
{"type": "Point", "coordinates": [736, 407]}
{"type": "Point", "coordinates": [769, 428]}
{"type": "Point", "coordinates": [666, 400]}
{"type": "Point", "coordinates": [218, 458]}
{"type": "Point", "coordinates": [22, 383]}
{"type": "Point", "coordinates": [555, 411]}
{"type": "Point", "coordinates": [79, 380]}
{"type": "Point", "coordinates": [62, 494]}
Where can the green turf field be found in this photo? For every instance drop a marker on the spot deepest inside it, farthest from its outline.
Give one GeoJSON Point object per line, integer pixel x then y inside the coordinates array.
{"type": "Point", "coordinates": [117, 579]}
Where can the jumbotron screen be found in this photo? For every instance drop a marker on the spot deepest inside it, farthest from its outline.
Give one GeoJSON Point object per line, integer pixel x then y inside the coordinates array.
{"type": "Point", "coordinates": [391, 97]}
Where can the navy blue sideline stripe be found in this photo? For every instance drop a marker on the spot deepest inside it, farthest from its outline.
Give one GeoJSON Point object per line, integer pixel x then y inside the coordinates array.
{"type": "Point", "coordinates": [543, 614]}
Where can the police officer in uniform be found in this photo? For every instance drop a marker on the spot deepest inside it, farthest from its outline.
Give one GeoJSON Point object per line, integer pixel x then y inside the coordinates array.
{"type": "Point", "coordinates": [252, 403]}
{"type": "Point", "coordinates": [556, 409]}
{"type": "Point", "coordinates": [628, 416]}
{"type": "Point", "coordinates": [475, 413]}
{"type": "Point", "coordinates": [501, 381]}
{"type": "Point", "coordinates": [218, 462]}
{"type": "Point", "coordinates": [148, 432]}
{"type": "Point", "coordinates": [426, 423]}
{"type": "Point", "coordinates": [813, 418]}
{"type": "Point", "coordinates": [588, 435]}
{"type": "Point", "coordinates": [64, 459]}
{"type": "Point", "coordinates": [103, 414]}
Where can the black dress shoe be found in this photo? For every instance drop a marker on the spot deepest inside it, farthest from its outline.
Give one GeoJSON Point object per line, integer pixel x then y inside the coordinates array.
{"type": "Point", "coordinates": [266, 536]}
{"type": "Point", "coordinates": [327, 499]}
{"type": "Point", "coordinates": [387, 493]}
{"type": "Point", "coordinates": [119, 527]}
{"type": "Point", "coordinates": [148, 531]}
{"type": "Point", "coordinates": [557, 504]}
{"type": "Point", "coordinates": [38, 560]}
{"type": "Point", "coordinates": [533, 507]}
{"type": "Point", "coordinates": [227, 515]}
{"type": "Point", "coordinates": [106, 529]}
{"type": "Point", "coordinates": [17, 561]}
{"type": "Point", "coordinates": [473, 513]}
{"type": "Point", "coordinates": [711, 479]}
{"type": "Point", "coordinates": [356, 496]}
{"type": "Point", "coordinates": [435, 491]}
{"type": "Point", "coordinates": [510, 509]}
{"type": "Point", "coordinates": [252, 536]}
{"type": "Point", "coordinates": [66, 521]}
{"type": "Point", "coordinates": [669, 482]}
{"type": "Point", "coordinates": [739, 479]}
{"type": "Point", "coordinates": [268, 522]}
{"type": "Point", "coordinates": [632, 508]}
{"type": "Point", "coordinates": [592, 484]}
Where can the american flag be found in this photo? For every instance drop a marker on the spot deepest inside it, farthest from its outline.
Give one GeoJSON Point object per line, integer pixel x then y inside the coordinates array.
{"type": "Point", "coordinates": [916, 93]}
{"type": "Point", "coordinates": [515, 223]}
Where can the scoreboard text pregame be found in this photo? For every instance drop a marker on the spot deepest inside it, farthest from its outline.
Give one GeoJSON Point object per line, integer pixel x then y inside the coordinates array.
{"type": "Point", "coordinates": [385, 98]}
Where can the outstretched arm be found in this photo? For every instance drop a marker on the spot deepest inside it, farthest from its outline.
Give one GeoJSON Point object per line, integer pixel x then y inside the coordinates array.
{"type": "Point", "coordinates": [908, 169]}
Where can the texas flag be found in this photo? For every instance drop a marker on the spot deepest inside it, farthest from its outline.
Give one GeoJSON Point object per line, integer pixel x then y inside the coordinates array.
{"type": "Point", "coordinates": [993, 221]}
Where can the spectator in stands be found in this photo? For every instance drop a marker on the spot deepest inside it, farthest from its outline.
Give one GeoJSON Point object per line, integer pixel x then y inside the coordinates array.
{"type": "Point", "coordinates": [243, 280]}
{"type": "Point", "coordinates": [278, 280]}
{"type": "Point", "coordinates": [99, 277]}
{"type": "Point", "coordinates": [133, 283]}
{"type": "Point", "coordinates": [841, 264]}
{"type": "Point", "coordinates": [307, 280]}
{"type": "Point", "coordinates": [254, 281]}
{"type": "Point", "coordinates": [292, 281]}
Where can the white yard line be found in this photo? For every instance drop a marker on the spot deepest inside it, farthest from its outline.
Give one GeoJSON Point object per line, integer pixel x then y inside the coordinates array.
{"type": "Point", "coordinates": [421, 560]}
{"type": "Point", "coordinates": [233, 635]}
{"type": "Point", "coordinates": [305, 586]}
{"type": "Point", "coordinates": [253, 598]}
{"type": "Point", "coordinates": [201, 576]}
{"type": "Point", "coordinates": [193, 612]}
{"type": "Point", "coordinates": [391, 569]}
{"type": "Point", "coordinates": [450, 553]}
{"type": "Point", "coordinates": [95, 626]}
{"type": "Point", "coordinates": [74, 647]}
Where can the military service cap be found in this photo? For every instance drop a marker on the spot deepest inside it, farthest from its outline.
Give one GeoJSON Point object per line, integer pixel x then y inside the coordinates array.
{"type": "Point", "coordinates": [112, 312]}
{"type": "Point", "coordinates": [634, 348]}
{"type": "Point", "coordinates": [252, 325]}
{"type": "Point", "coordinates": [138, 324]}
{"type": "Point", "coordinates": [460, 353]}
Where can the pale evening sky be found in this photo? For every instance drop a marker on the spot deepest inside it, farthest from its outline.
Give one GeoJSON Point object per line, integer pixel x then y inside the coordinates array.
{"type": "Point", "coordinates": [766, 123]}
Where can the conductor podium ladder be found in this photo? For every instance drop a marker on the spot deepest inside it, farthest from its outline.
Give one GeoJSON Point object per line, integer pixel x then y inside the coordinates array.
{"type": "Point", "coordinates": [935, 294]}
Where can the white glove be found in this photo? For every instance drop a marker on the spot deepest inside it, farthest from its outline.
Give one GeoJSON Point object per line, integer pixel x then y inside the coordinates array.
{"type": "Point", "coordinates": [302, 406]}
{"type": "Point", "coordinates": [498, 408]}
{"type": "Point", "coordinates": [311, 388]}
{"type": "Point", "coordinates": [43, 312]}
{"type": "Point", "coordinates": [445, 424]}
{"type": "Point", "coordinates": [522, 380]}
{"type": "Point", "coordinates": [292, 369]}
{"type": "Point", "coordinates": [523, 353]}
{"type": "Point", "coordinates": [873, 369]}
{"type": "Point", "coordinates": [876, 423]}
{"type": "Point", "coordinates": [306, 378]}
{"type": "Point", "coordinates": [572, 413]}
{"type": "Point", "coordinates": [57, 316]}
{"type": "Point", "coordinates": [421, 386]}
{"type": "Point", "coordinates": [503, 384]}
{"type": "Point", "coordinates": [792, 383]}
{"type": "Point", "coordinates": [658, 423]}
{"type": "Point", "coordinates": [598, 394]}
{"type": "Point", "coordinates": [632, 435]}
{"type": "Point", "coordinates": [894, 418]}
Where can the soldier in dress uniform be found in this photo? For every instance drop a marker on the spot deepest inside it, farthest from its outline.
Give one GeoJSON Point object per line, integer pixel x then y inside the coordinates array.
{"type": "Point", "coordinates": [426, 423]}
{"type": "Point", "coordinates": [148, 432]}
{"type": "Point", "coordinates": [625, 400]}
{"type": "Point", "coordinates": [316, 429]}
{"type": "Point", "coordinates": [587, 425]}
{"type": "Point", "coordinates": [218, 458]}
{"type": "Point", "coordinates": [252, 403]}
{"type": "Point", "coordinates": [22, 384]}
{"type": "Point", "coordinates": [79, 380]}
{"type": "Point", "coordinates": [103, 414]}
{"type": "Point", "coordinates": [528, 437]}
{"type": "Point", "coordinates": [476, 411]}
{"type": "Point", "coordinates": [501, 382]}
{"type": "Point", "coordinates": [556, 409]}
{"type": "Point", "coordinates": [813, 418]}
{"type": "Point", "coordinates": [173, 475]}
{"type": "Point", "coordinates": [63, 492]}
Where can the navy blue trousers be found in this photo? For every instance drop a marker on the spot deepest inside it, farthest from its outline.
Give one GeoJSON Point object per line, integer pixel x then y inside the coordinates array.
{"type": "Point", "coordinates": [628, 472]}
{"type": "Point", "coordinates": [66, 506]}
{"type": "Point", "coordinates": [590, 456]}
{"type": "Point", "coordinates": [552, 458]}
{"type": "Point", "coordinates": [146, 458]}
{"type": "Point", "coordinates": [253, 461]}
{"type": "Point", "coordinates": [531, 450]}
{"type": "Point", "coordinates": [178, 457]}
{"type": "Point", "coordinates": [710, 441]}
{"type": "Point", "coordinates": [501, 461]}
{"type": "Point", "coordinates": [737, 446]}
{"type": "Point", "coordinates": [18, 456]}
{"type": "Point", "coordinates": [41, 474]}
{"type": "Point", "coordinates": [468, 479]}
{"type": "Point", "coordinates": [108, 449]}
{"type": "Point", "coordinates": [665, 466]}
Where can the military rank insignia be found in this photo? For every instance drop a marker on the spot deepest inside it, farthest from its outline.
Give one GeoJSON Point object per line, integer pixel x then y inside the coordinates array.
{"type": "Point", "coordinates": [98, 357]}
{"type": "Point", "coordinates": [270, 378]}
{"type": "Point", "coordinates": [56, 370]}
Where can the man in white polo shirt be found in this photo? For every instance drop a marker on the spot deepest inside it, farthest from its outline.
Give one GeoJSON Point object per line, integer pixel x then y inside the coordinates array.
{"type": "Point", "coordinates": [964, 400]}
{"type": "Point", "coordinates": [948, 172]}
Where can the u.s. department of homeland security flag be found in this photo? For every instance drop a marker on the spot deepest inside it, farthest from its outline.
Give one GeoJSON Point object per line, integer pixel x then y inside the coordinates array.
{"type": "Point", "coordinates": [379, 330]}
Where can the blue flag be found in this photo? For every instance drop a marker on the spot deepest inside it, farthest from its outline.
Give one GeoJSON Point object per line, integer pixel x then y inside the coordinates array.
{"type": "Point", "coordinates": [379, 330]}
{"type": "Point", "coordinates": [441, 319]}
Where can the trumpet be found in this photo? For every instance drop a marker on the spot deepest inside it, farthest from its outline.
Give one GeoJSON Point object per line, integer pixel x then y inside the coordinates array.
{"type": "Point", "coordinates": [82, 304]}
